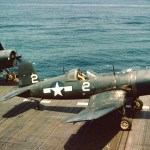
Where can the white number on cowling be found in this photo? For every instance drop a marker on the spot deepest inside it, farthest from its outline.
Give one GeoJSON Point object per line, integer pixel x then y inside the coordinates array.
{"type": "Point", "coordinates": [85, 86]}
{"type": "Point", "coordinates": [34, 78]}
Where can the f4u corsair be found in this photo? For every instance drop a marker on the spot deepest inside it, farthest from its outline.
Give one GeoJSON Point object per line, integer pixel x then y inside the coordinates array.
{"type": "Point", "coordinates": [106, 93]}
{"type": "Point", "coordinates": [8, 59]}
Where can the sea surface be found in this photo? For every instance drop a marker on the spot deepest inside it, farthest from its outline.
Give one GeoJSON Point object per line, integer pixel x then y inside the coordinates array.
{"type": "Point", "coordinates": [85, 34]}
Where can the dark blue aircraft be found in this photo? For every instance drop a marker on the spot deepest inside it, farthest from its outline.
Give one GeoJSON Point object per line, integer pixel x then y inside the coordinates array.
{"type": "Point", "coordinates": [8, 59]}
{"type": "Point", "coordinates": [106, 92]}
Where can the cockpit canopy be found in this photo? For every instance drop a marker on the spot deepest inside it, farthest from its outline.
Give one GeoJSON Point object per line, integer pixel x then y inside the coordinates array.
{"type": "Point", "coordinates": [76, 74]}
{"type": "Point", "coordinates": [72, 74]}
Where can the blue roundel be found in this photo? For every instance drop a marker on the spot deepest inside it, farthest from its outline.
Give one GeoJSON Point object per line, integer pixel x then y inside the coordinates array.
{"type": "Point", "coordinates": [57, 89]}
{"type": "Point", "coordinates": [60, 84]}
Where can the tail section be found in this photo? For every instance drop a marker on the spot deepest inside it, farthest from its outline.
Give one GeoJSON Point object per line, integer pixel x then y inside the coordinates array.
{"type": "Point", "coordinates": [27, 75]}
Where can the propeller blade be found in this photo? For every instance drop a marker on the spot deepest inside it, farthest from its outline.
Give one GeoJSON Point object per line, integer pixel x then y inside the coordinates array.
{"type": "Point", "coordinates": [1, 47]}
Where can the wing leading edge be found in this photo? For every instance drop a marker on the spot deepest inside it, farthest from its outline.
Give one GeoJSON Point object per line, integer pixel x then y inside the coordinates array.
{"type": "Point", "coordinates": [100, 105]}
{"type": "Point", "coordinates": [15, 93]}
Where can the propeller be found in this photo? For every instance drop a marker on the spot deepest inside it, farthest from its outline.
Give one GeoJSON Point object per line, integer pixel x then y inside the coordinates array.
{"type": "Point", "coordinates": [9, 58]}
{"type": "Point", "coordinates": [14, 58]}
{"type": "Point", "coordinates": [1, 47]}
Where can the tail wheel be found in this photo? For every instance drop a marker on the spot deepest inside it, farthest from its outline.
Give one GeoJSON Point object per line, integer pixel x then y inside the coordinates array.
{"type": "Point", "coordinates": [125, 124]}
{"type": "Point", "coordinates": [137, 105]}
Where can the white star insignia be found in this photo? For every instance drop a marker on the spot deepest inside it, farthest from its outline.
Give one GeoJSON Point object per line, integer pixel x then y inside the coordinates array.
{"type": "Point", "coordinates": [57, 90]}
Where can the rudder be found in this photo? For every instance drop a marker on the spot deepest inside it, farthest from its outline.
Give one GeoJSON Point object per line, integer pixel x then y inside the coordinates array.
{"type": "Point", "coordinates": [27, 75]}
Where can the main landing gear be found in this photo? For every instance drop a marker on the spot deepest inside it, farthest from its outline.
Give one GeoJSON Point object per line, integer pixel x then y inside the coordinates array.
{"type": "Point", "coordinates": [125, 123]}
{"type": "Point", "coordinates": [137, 105]}
{"type": "Point", "coordinates": [37, 103]}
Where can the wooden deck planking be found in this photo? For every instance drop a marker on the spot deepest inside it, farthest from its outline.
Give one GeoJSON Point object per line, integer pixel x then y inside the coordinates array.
{"type": "Point", "coordinates": [23, 127]}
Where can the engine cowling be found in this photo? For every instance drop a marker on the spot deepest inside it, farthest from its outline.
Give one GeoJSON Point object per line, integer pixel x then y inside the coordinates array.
{"type": "Point", "coordinates": [8, 59]}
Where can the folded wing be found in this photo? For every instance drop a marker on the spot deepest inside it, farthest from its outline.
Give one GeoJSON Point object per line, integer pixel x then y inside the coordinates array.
{"type": "Point", "coordinates": [100, 105]}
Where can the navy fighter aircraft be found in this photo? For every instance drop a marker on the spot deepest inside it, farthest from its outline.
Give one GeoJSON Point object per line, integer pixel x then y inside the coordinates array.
{"type": "Point", "coordinates": [106, 92]}
{"type": "Point", "coordinates": [8, 59]}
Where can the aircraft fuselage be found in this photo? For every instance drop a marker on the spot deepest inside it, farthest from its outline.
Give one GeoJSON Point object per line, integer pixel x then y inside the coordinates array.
{"type": "Point", "coordinates": [136, 83]}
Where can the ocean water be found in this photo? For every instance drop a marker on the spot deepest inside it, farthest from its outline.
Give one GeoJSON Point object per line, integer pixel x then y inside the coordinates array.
{"type": "Point", "coordinates": [85, 34]}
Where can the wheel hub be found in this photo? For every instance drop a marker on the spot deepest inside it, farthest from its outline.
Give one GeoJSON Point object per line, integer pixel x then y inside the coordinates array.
{"type": "Point", "coordinates": [124, 125]}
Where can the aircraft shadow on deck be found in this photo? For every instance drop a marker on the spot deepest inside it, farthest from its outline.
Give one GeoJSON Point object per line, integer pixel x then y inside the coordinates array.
{"type": "Point", "coordinates": [95, 134]}
{"type": "Point", "coordinates": [26, 106]}
{"type": "Point", "coordinates": [98, 133]}
{"type": "Point", "coordinates": [18, 109]}
{"type": "Point", "coordinates": [142, 115]}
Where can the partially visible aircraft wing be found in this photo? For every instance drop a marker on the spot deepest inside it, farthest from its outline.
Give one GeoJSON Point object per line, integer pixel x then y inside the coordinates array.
{"type": "Point", "coordinates": [15, 93]}
{"type": "Point", "coordinates": [100, 105]}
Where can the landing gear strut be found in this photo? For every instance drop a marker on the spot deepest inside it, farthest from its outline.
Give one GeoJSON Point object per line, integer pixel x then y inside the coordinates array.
{"type": "Point", "coordinates": [137, 105]}
{"type": "Point", "coordinates": [37, 103]}
{"type": "Point", "coordinates": [126, 123]}
{"type": "Point", "coordinates": [37, 106]}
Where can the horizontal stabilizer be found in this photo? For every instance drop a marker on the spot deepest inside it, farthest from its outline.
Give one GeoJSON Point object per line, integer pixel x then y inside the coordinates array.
{"type": "Point", "coordinates": [14, 93]}
{"type": "Point", "coordinates": [100, 105]}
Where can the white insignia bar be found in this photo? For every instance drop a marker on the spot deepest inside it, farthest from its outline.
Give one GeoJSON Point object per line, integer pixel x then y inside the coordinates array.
{"type": "Point", "coordinates": [47, 90]}
{"type": "Point", "coordinates": [57, 89]}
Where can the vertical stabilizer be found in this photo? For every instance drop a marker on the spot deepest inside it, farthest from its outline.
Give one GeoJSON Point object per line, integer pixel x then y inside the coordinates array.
{"type": "Point", "coordinates": [27, 75]}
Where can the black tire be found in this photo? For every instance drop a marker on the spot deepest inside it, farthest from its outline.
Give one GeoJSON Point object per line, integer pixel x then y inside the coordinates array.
{"type": "Point", "coordinates": [125, 124]}
{"type": "Point", "coordinates": [137, 105]}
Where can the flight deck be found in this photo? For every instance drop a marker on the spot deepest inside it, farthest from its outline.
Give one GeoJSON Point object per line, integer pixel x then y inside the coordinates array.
{"type": "Point", "coordinates": [24, 128]}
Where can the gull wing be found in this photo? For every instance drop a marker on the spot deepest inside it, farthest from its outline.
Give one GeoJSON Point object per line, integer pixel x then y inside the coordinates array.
{"type": "Point", "coordinates": [100, 105]}
{"type": "Point", "coordinates": [15, 93]}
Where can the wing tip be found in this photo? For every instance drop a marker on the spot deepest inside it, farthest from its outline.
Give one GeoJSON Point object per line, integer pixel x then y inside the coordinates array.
{"type": "Point", "coordinates": [75, 119]}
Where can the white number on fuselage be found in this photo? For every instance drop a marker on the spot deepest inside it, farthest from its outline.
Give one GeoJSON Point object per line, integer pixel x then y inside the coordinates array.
{"type": "Point", "coordinates": [86, 86]}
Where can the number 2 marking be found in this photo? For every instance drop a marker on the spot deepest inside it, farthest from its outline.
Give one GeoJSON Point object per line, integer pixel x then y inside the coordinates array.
{"type": "Point", "coordinates": [85, 86]}
{"type": "Point", "coordinates": [34, 78]}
